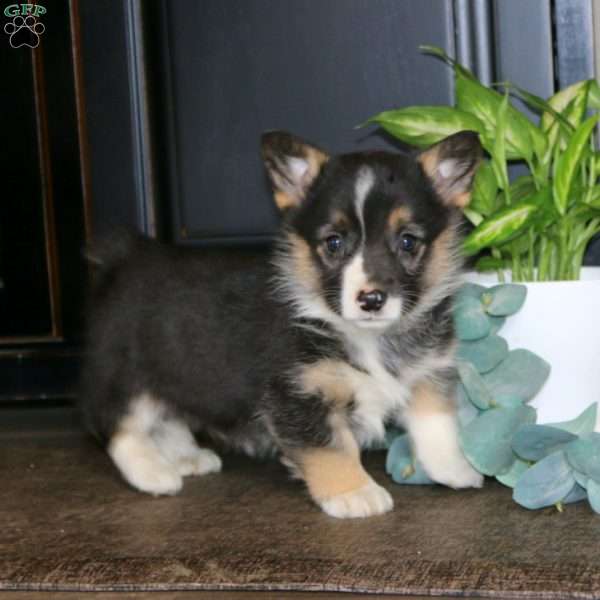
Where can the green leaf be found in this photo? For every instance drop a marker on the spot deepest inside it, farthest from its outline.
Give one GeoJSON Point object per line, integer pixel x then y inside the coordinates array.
{"type": "Point", "coordinates": [537, 104]}
{"type": "Point", "coordinates": [545, 483]}
{"type": "Point", "coordinates": [499, 148]}
{"type": "Point", "coordinates": [568, 164]}
{"type": "Point", "coordinates": [402, 466]}
{"type": "Point", "coordinates": [484, 103]}
{"type": "Point", "coordinates": [485, 189]}
{"type": "Point", "coordinates": [510, 477]}
{"type": "Point", "coordinates": [546, 214]}
{"type": "Point", "coordinates": [522, 187]}
{"type": "Point", "coordinates": [501, 227]}
{"type": "Point", "coordinates": [594, 200]}
{"type": "Point", "coordinates": [581, 425]}
{"type": "Point", "coordinates": [561, 100]}
{"type": "Point", "coordinates": [584, 455]}
{"type": "Point", "coordinates": [517, 246]}
{"type": "Point", "coordinates": [533, 442]}
{"type": "Point", "coordinates": [521, 374]}
{"type": "Point", "coordinates": [425, 125]}
{"type": "Point", "coordinates": [474, 217]}
{"type": "Point", "coordinates": [476, 390]}
{"type": "Point", "coordinates": [484, 354]}
{"type": "Point", "coordinates": [504, 299]}
{"type": "Point", "coordinates": [486, 440]}
{"type": "Point", "coordinates": [489, 263]}
{"type": "Point", "coordinates": [470, 320]}
{"type": "Point", "coordinates": [594, 95]}
{"type": "Point", "coordinates": [437, 51]}
{"type": "Point", "coordinates": [593, 492]}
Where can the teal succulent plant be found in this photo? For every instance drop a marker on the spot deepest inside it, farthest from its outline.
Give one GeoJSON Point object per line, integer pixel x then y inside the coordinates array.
{"type": "Point", "coordinates": [544, 464]}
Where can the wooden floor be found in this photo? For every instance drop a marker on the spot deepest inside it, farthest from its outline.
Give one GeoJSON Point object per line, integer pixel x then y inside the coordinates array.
{"type": "Point", "coordinates": [72, 528]}
{"type": "Point", "coordinates": [211, 595]}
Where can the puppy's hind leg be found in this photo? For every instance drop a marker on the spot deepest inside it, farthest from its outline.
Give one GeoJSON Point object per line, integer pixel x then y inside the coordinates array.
{"type": "Point", "coordinates": [176, 443]}
{"type": "Point", "coordinates": [137, 455]}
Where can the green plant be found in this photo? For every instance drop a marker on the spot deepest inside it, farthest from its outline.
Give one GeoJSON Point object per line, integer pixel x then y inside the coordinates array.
{"type": "Point", "coordinates": [545, 464]}
{"type": "Point", "coordinates": [539, 224]}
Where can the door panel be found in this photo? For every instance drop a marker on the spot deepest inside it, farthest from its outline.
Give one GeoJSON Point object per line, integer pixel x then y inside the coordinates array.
{"type": "Point", "coordinates": [318, 69]}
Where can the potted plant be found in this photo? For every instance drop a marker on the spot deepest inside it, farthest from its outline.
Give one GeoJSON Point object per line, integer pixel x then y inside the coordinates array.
{"type": "Point", "coordinates": [533, 228]}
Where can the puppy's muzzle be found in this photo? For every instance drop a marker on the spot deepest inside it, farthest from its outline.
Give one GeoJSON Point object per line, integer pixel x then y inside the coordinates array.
{"type": "Point", "coordinates": [372, 301]}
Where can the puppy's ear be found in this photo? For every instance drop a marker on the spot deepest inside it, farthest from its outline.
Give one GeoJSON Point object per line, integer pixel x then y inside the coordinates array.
{"type": "Point", "coordinates": [292, 165]}
{"type": "Point", "coordinates": [451, 165]}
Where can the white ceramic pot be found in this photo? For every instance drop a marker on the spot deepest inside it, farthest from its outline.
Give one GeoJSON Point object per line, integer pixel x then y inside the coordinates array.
{"type": "Point", "coordinates": [560, 321]}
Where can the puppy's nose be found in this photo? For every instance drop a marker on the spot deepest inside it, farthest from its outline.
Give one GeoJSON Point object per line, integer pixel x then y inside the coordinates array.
{"type": "Point", "coordinates": [371, 301]}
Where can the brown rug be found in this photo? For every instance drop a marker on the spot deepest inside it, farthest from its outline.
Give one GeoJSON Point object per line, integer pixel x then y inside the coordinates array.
{"type": "Point", "coordinates": [68, 522]}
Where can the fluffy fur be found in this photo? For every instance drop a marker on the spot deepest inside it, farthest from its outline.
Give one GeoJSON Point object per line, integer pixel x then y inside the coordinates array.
{"type": "Point", "coordinates": [307, 355]}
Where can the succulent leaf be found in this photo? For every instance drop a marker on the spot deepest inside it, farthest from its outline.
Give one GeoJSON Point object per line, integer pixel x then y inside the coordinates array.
{"type": "Point", "coordinates": [584, 455]}
{"type": "Point", "coordinates": [510, 477]}
{"type": "Point", "coordinates": [581, 479]}
{"type": "Point", "coordinates": [576, 494]}
{"type": "Point", "coordinates": [508, 401]}
{"type": "Point", "coordinates": [470, 320]}
{"type": "Point", "coordinates": [581, 425]}
{"type": "Point", "coordinates": [486, 440]}
{"type": "Point", "coordinates": [534, 442]}
{"type": "Point", "coordinates": [521, 374]}
{"type": "Point", "coordinates": [496, 323]}
{"type": "Point", "coordinates": [476, 389]}
{"type": "Point", "coordinates": [466, 410]}
{"type": "Point", "coordinates": [505, 299]}
{"type": "Point", "coordinates": [470, 290]}
{"type": "Point", "coordinates": [545, 483]}
{"type": "Point", "coordinates": [484, 354]}
{"type": "Point", "coordinates": [593, 492]}
{"type": "Point", "coordinates": [402, 466]}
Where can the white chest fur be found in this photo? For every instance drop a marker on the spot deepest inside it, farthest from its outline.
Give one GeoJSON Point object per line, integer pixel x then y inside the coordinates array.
{"type": "Point", "coordinates": [378, 394]}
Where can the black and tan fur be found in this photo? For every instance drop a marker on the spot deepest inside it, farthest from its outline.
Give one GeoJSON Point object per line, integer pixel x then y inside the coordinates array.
{"type": "Point", "coordinates": [307, 354]}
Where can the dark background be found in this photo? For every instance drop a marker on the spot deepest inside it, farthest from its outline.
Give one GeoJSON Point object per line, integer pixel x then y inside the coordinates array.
{"type": "Point", "coordinates": [148, 113]}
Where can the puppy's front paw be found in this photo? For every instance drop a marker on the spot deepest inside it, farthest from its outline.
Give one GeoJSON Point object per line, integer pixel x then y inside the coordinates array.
{"type": "Point", "coordinates": [456, 472]}
{"type": "Point", "coordinates": [366, 501]}
{"type": "Point", "coordinates": [203, 461]}
{"type": "Point", "coordinates": [156, 478]}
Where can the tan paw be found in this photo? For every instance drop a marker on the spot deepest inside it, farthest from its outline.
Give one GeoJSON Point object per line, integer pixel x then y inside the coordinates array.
{"type": "Point", "coordinates": [366, 501]}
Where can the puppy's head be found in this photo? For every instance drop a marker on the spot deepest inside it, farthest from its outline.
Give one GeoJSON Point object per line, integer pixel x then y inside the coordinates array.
{"type": "Point", "coordinates": [369, 237]}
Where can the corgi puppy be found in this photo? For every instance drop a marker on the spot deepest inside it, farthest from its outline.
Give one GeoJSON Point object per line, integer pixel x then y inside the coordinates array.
{"type": "Point", "coordinates": [308, 355]}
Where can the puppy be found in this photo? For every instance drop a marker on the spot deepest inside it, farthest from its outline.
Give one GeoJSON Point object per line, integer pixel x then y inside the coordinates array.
{"type": "Point", "coordinates": [307, 356]}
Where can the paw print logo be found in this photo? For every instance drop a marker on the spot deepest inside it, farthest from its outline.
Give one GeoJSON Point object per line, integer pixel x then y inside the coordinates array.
{"type": "Point", "coordinates": [24, 31]}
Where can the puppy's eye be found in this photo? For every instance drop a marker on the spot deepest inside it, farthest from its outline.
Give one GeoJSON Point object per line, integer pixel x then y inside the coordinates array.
{"type": "Point", "coordinates": [334, 244]}
{"type": "Point", "coordinates": [408, 242]}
